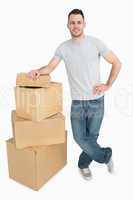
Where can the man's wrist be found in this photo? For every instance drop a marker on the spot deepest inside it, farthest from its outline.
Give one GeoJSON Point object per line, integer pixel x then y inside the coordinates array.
{"type": "Point", "coordinates": [108, 85]}
{"type": "Point", "coordinates": [40, 70]}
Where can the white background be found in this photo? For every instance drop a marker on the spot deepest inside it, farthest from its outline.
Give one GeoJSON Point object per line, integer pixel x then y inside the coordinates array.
{"type": "Point", "coordinates": [30, 31]}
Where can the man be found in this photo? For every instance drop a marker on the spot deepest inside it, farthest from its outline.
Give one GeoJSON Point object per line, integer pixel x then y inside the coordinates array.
{"type": "Point", "coordinates": [81, 55]}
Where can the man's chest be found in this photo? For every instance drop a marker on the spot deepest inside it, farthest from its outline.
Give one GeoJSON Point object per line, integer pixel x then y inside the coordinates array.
{"type": "Point", "coordinates": [81, 54]}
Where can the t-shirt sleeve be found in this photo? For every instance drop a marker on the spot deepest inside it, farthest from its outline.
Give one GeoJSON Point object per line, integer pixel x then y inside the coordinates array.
{"type": "Point", "coordinates": [102, 47]}
{"type": "Point", "coordinates": [58, 52]}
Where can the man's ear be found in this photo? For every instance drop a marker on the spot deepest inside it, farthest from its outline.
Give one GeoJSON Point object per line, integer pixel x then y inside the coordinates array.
{"type": "Point", "coordinates": [67, 26]}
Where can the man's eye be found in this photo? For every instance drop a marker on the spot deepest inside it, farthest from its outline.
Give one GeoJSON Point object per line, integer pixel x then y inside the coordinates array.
{"type": "Point", "coordinates": [79, 22]}
{"type": "Point", "coordinates": [72, 22]}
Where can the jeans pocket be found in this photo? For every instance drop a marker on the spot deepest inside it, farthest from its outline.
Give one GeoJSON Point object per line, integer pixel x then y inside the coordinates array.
{"type": "Point", "coordinates": [76, 102]}
{"type": "Point", "coordinates": [76, 111]}
{"type": "Point", "coordinates": [97, 106]}
{"type": "Point", "coordinates": [97, 102]}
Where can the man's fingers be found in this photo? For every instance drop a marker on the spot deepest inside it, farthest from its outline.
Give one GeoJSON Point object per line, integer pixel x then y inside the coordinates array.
{"type": "Point", "coordinates": [34, 74]}
{"type": "Point", "coordinates": [37, 75]}
{"type": "Point", "coordinates": [97, 90]}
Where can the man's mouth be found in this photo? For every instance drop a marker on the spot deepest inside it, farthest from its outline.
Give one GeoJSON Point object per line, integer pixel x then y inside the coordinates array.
{"type": "Point", "coordinates": [75, 30]}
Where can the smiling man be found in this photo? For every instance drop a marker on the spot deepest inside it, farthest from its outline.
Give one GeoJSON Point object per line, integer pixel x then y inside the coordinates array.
{"type": "Point", "coordinates": [81, 55]}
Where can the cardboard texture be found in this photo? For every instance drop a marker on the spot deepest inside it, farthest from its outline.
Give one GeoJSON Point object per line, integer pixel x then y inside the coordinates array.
{"type": "Point", "coordinates": [46, 132]}
{"type": "Point", "coordinates": [33, 167]}
{"type": "Point", "coordinates": [37, 104]}
{"type": "Point", "coordinates": [24, 80]}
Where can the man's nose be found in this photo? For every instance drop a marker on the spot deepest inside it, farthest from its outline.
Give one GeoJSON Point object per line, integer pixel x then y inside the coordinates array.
{"type": "Point", "coordinates": [76, 25]}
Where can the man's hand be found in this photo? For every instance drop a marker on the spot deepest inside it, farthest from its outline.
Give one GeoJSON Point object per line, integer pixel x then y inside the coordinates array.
{"type": "Point", "coordinates": [34, 74]}
{"type": "Point", "coordinates": [100, 88]}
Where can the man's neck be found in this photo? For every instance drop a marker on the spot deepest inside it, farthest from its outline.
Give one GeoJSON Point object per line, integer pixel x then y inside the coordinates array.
{"type": "Point", "coordinates": [78, 39]}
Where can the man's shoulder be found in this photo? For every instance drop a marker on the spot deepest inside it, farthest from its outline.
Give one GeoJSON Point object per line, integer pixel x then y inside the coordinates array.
{"type": "Point", "coordinates": [92, 38]}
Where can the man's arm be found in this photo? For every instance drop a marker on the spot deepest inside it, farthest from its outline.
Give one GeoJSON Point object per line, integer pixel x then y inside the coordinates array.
{"type": "Point", "coordinates": [111, 58]}
{"type": "Point", "coordinates": [54, 62]}
{"type": "Point", "coordinates": [116, 66]}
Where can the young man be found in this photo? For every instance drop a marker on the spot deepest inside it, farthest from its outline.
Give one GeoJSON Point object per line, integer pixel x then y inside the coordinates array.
{"type": "Point", "coordinates": [81, 55]}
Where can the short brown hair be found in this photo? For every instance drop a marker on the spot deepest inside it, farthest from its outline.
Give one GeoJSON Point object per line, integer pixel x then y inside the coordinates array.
{"type": "Point", "coordinates": [76, 12]}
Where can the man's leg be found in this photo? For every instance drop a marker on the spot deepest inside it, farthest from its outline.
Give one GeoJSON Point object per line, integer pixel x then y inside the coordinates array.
{"type": "Point", "coordinates": [84, 160]}
{"type": "Point", "coordinates": [78, 122]}
{"type": "Point", "coordinates": [94, 119]}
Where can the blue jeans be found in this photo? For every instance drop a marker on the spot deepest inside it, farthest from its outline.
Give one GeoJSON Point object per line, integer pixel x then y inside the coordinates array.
{"type": "Point", "coordinates": [86, 119]}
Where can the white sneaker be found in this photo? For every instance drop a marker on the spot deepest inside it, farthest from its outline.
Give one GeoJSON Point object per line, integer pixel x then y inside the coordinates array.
{"type": "Point", "coordinates": [110, 166]}
{"type": "Point", "coordinates": [86, 173]}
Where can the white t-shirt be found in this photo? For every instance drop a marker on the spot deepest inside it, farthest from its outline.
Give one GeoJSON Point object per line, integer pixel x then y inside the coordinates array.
{"type": "Point", "coordinates": [82, 62]}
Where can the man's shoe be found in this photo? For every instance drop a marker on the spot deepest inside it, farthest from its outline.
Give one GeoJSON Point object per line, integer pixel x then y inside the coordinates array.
{"type": "Point", "coordinates": [110, 166]}
{"type": "Point", "coordinates": [86, 173]}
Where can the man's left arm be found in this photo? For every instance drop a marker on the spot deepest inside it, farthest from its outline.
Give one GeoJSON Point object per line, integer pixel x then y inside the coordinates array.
{"type": "Point", "coordinates": [111, 58]}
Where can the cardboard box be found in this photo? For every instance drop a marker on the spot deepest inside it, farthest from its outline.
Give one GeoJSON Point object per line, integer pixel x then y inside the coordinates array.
{"type": "Point", "coordinates": [38, 103]}
{"type": "Point", "coordinates": [46, 132]}
{"type": "Point", "coordinates": [33, 167]}
{"type": "Point", "coordinates": [24, 80]}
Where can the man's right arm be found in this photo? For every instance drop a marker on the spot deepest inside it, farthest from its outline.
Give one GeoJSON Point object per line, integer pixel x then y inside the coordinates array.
{"type": "Point", "coordinates": [54, 62]}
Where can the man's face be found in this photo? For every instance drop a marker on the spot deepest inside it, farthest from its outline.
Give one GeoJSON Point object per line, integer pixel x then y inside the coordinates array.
{"type": "Point", "coordinates": [76, 25]}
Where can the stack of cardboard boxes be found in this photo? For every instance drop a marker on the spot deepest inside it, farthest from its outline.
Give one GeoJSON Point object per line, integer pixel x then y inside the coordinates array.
{"type": "Point", "coordinates": [38, 149]}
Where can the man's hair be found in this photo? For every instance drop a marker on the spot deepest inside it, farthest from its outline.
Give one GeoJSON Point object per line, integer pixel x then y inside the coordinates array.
{"type": "Point", "coordinates": [76, 12]}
